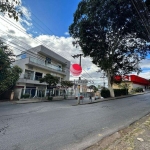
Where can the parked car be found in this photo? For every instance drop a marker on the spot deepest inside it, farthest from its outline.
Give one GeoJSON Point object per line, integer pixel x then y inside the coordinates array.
{"type": "Point", "coordinates": [96, 97]}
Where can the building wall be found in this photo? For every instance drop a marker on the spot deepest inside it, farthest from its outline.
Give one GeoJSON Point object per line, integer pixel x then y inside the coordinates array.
{"type": "Point", "coordinates": [39, 55]}
{"type": "Point", "coordinates": [131, 85]}
{"type": "Point", "coordinates": [138, 85]}
{"type": "Point", "coordinates": [21, 63]}
{"type": "Point", "coordinates": [40, 70]}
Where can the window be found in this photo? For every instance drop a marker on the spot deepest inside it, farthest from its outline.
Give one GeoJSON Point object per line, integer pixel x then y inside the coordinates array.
{"type": "Point", "coordinates": [48, 60]}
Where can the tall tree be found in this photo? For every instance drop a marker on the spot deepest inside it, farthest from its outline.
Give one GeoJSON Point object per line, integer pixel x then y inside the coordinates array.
{"type": "Point", "coordinates": [112, 34]}
{"type": "Point", "coordinates": [6, 56]}
{"type": "Point", "coordinates": [50, 80]}
{"type": "Point", "coordinates": [11, 7]}
{"type": "Point", "coordinates": [147, 2]}
{"type": "Point", "coordinates": [8, 75]}
{"type": "Point", "coordinates": [11, 77]}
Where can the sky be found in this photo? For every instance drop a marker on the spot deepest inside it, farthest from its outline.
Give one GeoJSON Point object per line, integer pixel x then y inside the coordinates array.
{"type": "Point", "coordinates": [46, 22]}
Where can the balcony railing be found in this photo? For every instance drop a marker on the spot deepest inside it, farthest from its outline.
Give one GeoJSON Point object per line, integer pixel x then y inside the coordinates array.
{"type": "Point", "coordinates": [27, 76]}
{"type": "Point", "coordinates": [42, 62]}
{"type": "Point", "coordinates": [31, 77]}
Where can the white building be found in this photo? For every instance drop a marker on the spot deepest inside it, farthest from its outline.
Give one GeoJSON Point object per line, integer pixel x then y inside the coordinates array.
{"type": "Point", "coordinates": [36, 63]}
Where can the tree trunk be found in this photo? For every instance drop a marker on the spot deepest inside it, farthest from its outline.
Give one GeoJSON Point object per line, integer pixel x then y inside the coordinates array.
{"type": "Point", "coordinates": [109, 85]}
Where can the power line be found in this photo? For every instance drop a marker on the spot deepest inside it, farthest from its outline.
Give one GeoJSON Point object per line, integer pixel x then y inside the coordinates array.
{"type": "Point", "coordinates": [18, 28]}
{"type": "Point", "coordinates": [29, 53]}
{"type": "Point", "coordinates": [140, 17]}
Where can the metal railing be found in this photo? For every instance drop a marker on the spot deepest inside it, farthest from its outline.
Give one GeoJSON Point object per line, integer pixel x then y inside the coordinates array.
{"type": "Point", "coordinates": [27, 76]}
{"type": "Point", "coordinates": [42, 62]}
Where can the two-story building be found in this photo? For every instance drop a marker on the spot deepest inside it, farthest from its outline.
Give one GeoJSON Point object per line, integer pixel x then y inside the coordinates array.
{"type": "Point", "coordinates": [36, 63]}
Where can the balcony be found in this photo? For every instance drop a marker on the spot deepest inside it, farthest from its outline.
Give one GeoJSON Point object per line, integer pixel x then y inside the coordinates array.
{"type": "Point", "coordinates": [42, 62]}
{"type": "Point", "coordinates": [31, 79]}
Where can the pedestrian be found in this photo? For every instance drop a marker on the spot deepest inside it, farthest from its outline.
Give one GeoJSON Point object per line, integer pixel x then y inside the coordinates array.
{"type": "Point", "coordinates": [90, 98]}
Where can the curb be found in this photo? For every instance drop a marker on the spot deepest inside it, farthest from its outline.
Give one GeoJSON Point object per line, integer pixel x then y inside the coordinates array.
{"type": "Point", "coordinates": [100, 100]}
{"type": "Point", "coordinates": [27, 102]}
{"type": "Point", "coordinates": [114, 98]}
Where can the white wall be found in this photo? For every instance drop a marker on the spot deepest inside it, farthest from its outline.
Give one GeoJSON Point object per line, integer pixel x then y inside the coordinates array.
{"type": "Point", "coordinates": [137, 85]}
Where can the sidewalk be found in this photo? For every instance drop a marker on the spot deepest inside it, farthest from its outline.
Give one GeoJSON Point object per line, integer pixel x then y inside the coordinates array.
{"type": "Point", "coordinates": [108, 99]}
{"type": "Point", "coordinates": [82, 102]}
{"type": "Point", "coordinates": [134, 137]}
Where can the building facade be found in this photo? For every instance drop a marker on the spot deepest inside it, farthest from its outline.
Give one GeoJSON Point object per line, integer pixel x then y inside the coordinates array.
{"type": "Point", "coordinates": [36, 63]}
{"type": "Point", "coordinates": [133, 82]}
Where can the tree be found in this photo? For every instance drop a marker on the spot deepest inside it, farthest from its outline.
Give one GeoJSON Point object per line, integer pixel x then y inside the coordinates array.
{"type": "Point", "coordinates": [11, 77]}
{"type": "Point", "coordinates": [6, 56]}
{"type": "Point", "coordinates": [50, 80]}
{"type": "Point", "coordinates": [147, 2]}
{"type": "Point", "coordinates": [112, 34]}
{"type": "Point", "coordinates": [6, 59]}
{"type": "Point", "coordinates": [8, 75]}
{"type": "Point", "coordinates": [66, 84]}
{"type": "Point", "coordinates": [11, 7]}
{"type": "Point", "coordinates": [95, 89]}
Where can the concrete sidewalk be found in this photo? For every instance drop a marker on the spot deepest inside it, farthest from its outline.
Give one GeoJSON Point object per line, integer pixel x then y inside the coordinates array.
{"type": "Point", "coordinates": [108, 99]}
{"type": "Point", "coordinates": [134, 137]}
{"type": "Point", "coordinates": [82, 102]}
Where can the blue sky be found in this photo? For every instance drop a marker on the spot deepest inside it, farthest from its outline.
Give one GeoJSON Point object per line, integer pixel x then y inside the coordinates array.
{"type": "Point", "coordinates": [46, 23]}
{"type": "Point", "coordinates": [55, 15]}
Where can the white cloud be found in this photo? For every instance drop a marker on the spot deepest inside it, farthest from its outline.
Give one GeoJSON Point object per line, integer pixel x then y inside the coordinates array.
{"type": "Point", "coordinates": [14, 32]}
{"type": "Point", "coordinates": [26, 12]}
{"type": "Point", "coordinates": [66, 33]}
{"type": "Point", "coordinates": [145, 63]}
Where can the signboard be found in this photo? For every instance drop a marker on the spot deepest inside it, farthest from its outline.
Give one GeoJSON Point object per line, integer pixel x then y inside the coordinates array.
{"type": "Point", "coordinates": [81, 82]}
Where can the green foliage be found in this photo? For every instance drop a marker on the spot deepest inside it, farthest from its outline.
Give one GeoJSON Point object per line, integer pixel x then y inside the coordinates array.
{"type": "Point", "coordinates": [66, 83]}
{"type": "Point", "coordinates": [147, 2]}
{"type": "Point", "coordinates": [105, 93]}
{"type": "Point", "coordinates": [11, 77]}
{"type": "Point", "coordinates": [120, 92]}
{"type": "Point", "coordinates": [50, 98]}
{"type": "Point", "coordinates": [8, 75]}
{"type": "Point", "coordinates": [25, 96]}
{"type": "Point", "coordinates": [50, 80]}
{"type": "Point", "coordinates": [138, 89]}
{"type": "Point", "coordinates": [124, 85]}
{"type": "Point", "coordinates": [94, 88]}
{"type": "Point", "coordinates": [112, 34]}
{"type": "Point", "coordinates": [6, 57]}
{"type": "Point", "coordinates": [12, 8]}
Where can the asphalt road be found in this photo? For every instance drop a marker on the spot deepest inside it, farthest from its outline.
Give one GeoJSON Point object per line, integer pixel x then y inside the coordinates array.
{"type": "Point", "coordinates": [59, 125]}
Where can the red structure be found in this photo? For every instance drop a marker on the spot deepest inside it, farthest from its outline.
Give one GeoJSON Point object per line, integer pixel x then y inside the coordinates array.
{"type": "Point", "coordinates": [139, 80]}
{"type": "Point", "coordinates": [133, 78]}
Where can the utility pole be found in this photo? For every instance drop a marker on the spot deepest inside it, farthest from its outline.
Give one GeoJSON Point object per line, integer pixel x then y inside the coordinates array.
{"type": "Point", "coordinates": [102, 77]}
{"type": "Point", "coordinates": [76, 56]}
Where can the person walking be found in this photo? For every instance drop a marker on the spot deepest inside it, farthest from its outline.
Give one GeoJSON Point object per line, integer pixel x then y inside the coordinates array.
{"type": "Point", "coordinates": [90, 98]}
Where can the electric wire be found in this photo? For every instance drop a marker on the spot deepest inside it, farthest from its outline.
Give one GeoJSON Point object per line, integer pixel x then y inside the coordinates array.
{"type": "Point", "coordinates": [140, 17]}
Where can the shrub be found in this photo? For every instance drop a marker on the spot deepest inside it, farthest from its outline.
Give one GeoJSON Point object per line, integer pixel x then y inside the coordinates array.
{"type": "Point", "coordinates": [50, 98]}
{"type": "Point", "coordinates": [138, 89]}
{"type": "Point", "coordinates": [105, 93]}
{"type": "Point", "coordinates": [119, 92]}
{"type": "Point", "coordinates": [25, 96]}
